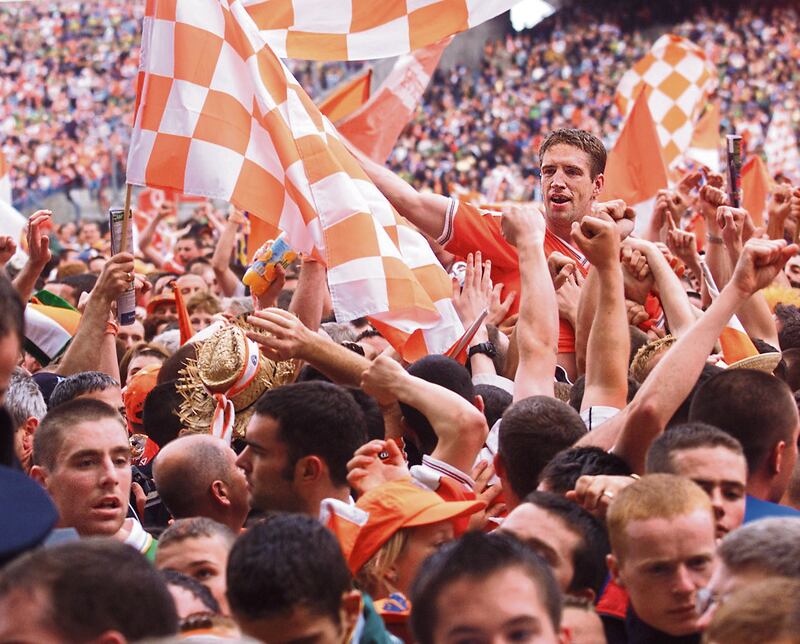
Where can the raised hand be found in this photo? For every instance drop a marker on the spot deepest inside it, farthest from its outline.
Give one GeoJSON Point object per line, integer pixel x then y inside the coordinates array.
{"type": "Point", "coordinates": [560, 267]}
{"type": "Point", "coordinates": [711, 198]}
{"type": "Point", "coordinates": [115, 278]}
{"type": "Point", "coordinates": [568, 297]}
{"type": "Point", "coordinates": [38, 241]}
{"type": "Point", "coordinates": [476, 293]}
{"type": "Point", "coordinates": [684, 246]}
{"type": "Point", "coordinates": [380, 378]}
{"type": "Point", "coordinates": [760, 261]}
{"type": "Point", "coordinates": [732, 222]}
{"type": "Point", "coordinates": [499, 307]}
{"type": "Point", "coordinates": [595, 493]}
{"type": "Point", "coordinates": [598, 238]}
{"type": "Point", "coordinates": [375, 463]}
{"type": "Point", "coordinates": [7, 249]}
{"type": "Point", "coordinates": [520, 225]}
{"type": "Point", "coordinates": [623, 215]}
{"type": "Point", "coordinates": [281, 335]}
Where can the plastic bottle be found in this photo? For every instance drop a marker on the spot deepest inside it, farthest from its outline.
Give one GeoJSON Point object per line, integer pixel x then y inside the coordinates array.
{"type": "Point", "coordinates": [263, 269]}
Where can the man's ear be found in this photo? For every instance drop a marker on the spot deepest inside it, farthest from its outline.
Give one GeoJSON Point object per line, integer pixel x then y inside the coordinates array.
{"type": "Point", "coordinates": [309, 469]}
{"type": "Point", "coordinates": [479, 404]}
{"type": "Point", "coordinates": [350, 609]}
{"type": "Point", "coordinates": [219, 490]}
{"type": "Point", "coordinates": [585, 593]}
{"type": "Point", "coordinates": [110, 637]}
{"type": "Point", "coordinates": [39, 474]}
{"type": "Point", "coordinates": [499, 467]}
{"type": "Point", "coordinates": [776, 458]}
{"type": "Point", "coordinates": [599, 184]}
{"type": "Point", "coordinates": [613, 568]}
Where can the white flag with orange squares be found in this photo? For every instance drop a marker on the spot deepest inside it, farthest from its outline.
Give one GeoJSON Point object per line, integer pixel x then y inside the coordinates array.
{"type": "Point", "coordinates": [781, 146]}
{"type": "Point", "coordinates": [679, 77]}
{"type": "Point", "coordinates": [365, 29]}
{"type": "Point", "coordinates": [219, 115]}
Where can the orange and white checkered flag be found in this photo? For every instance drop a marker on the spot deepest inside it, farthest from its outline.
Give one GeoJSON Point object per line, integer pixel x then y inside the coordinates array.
{"type": "Point", "coordinates": [365, 29]}
{"type": "Point", "coordinates": [219, 115]}
{"type": "Point", "coordinates": [680, 77]}
{"type": "Point", "coordinates": [781, 146]}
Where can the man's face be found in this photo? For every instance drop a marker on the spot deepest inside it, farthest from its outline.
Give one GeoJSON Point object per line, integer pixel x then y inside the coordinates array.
{"type": "Point", "coordinates": [724, 582]}
{"type": "Point", "coordinates": [723, 475]}
{"type": "Point", "coordinates": [140, 362]}
{"type": "Point", "coordinates": [24, 618]}
{"type": "Point", "coordinates": [190, 284]}
{"type": "Point", "coordinates": [567, 186]}
{"type": "Point", "coordinates": [9, 356]}
{"type": "Point", "coordinates": [208, 275]}
{"type": "Point", "coordinates": [186, 250]}
{"type": "Point", "coordinates": [91, 480]}
{"type": "Point", "coordinates": [203, 558]}
{"type": "Point", "coordinates": [131, 334]}
{"type": "Point", "coordinates": [90, 233]}
{"type": "Point", "coordinates": [265, 462]}
{"type": "Point", "coordinates": [792, 270]}
{"type": "Point", "coordinates": [200, 319]}
{"type": "Point", "coordinates": [665, 563]}
{"type": "Point", "coordinates": [504, 607]}
{"type": "Point", "coordinates": [548, 536]}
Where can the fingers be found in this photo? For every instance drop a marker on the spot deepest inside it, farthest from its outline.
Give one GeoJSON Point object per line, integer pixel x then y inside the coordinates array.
{"type": "Point", "coordinates": [277, 317]}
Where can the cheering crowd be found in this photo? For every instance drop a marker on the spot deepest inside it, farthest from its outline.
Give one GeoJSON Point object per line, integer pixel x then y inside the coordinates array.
{"type": "Point", "coordinates": [613, 457]}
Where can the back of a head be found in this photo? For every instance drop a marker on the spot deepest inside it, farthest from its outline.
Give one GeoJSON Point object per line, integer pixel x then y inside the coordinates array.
{"type": "Point", "coordinates": [159, 420]}
{"type": "Point", "coordinates": [476, 556]}
{"type": "Point", "coordinates": [442, 371]}
{"type": "Point", "coordinates": [754, 407]}
{"type": "Point", "coordinates": [681, 415]}
{"type": "Point", "coordinates": [789, 335]}
{"type": "Point", "coordinates": [24, 399]}
{"type": "Point", "coordinates": [48, 437]}
{"type": "Point", "coordinates": [193, 528]}
{"type": "Point", "coordinates": [769, 546]}
{"type": "Point", "coordinates": [317, 418]}
{"type": "Point", "coordinates": [80, 384]}
{"type": "Point", "coordinates": [655, 496]}
{"type": "Point", "coordinates": [185, 470]}
{"type": "Point", "coordinates": [590, 570]}
{"type": "Point", "coordinates": [94, 586]}
{"type": "Point", "coordinates": [566, 467]}
{"type": "Point", "coordinates": [532, 432]}
{"type": "Point", "coordinates": [495, 402]}
{"type": "Point", "coordinates": [692, 435]}
{"type": "Point", "coordinates": [373, 417]}
{"type": "Point", "coordinates": [579, 389]}
{"type": "Point", "coordinates": [766, 611]}
{"type": "Point", "coordinates": [291, 560]}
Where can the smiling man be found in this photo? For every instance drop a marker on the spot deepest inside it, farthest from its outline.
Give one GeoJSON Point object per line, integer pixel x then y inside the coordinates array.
{"type": "Point", "coordinates": [662, 552]}
{"type": "Point", "coordinates": [572, 164]}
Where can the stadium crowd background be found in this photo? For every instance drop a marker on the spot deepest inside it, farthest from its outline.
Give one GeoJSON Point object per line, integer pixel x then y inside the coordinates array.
{"type": "Point", "coordinates": [69, 91]}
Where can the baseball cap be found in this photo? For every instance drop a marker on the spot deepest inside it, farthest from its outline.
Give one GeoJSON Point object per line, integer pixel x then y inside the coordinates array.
{"type": "Point", "coordinates": [391, 507]}
{"type": "Point", "coordinates": [29, 514]}
{"type": "Point", "coordinates": [136, 390]}
{"type": "Point", "coordinates": [159, 299]}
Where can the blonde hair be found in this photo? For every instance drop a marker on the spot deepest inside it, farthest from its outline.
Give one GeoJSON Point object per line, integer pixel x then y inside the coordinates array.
{"type": "Point", "coordinates": [767, 611]}
{"type": "Point", "coordinates": [655, 496]}
{"type": "Point", "coordinates": [203, 301]}
{"type": "Point", "coordinates": [642, 361]}
{"type": "Point", "coordinates": [371, 577]}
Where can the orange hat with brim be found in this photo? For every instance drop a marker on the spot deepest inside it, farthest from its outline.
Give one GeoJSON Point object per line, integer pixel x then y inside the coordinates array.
{"type": "Point", "coordinates": [136, 390]}
{"type": "Point", "coordinates": [159, 299]}
{"type": "Point", "coordinates": [391, 507]}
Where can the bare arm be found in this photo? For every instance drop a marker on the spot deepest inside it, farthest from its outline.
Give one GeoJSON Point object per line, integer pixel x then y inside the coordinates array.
{"type": "Point", "coordinates": [537, 327]}
{"type": "Point", "coordinates": [459, 426]}
{"type": "Point", "coordinates": [38, 254]}
{"type": "Point", "coordinates": [220, 260]}
{"type": "Point", "coordinates": [284, 337]}
{"type": "Point", "coordinates": [92, 349]}
{"type": "Point", "coordinates": [146, 238]}
{"type": "Point", "coordinates": [609, 343]}
{"type": "Point", "coordinates": [310, 293]}
{"type": "Point", "coordinates": [426, 211]}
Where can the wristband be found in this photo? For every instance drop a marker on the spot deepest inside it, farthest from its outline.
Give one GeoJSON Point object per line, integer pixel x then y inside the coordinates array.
{"type": "Point", "coordinates": [713, 239]}
{"type": "Point", "coordinates": [112, 328]}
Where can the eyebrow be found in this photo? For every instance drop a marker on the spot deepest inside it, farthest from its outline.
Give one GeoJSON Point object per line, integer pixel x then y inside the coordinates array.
{"type": "Point", "coordinates": [537, 544]}
{"type": "Point", "coordinates": [738, 484]}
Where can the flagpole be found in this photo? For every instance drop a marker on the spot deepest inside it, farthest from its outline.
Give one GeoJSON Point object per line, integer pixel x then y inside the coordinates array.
{"type": "Point", "coordinates": [125, 217]}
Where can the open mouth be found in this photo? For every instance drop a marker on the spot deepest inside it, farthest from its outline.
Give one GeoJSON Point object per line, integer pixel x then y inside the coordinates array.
{"type": "Point", "coordinates": [559, 199]}
{"type": "Point", "coordinates": [109, 503]}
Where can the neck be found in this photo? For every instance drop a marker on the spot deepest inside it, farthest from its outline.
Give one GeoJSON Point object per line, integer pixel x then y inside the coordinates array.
{"type": "Point", "coordinates": [760, 486]}
{"type": "Point", "coordinates": [314, 499]}
{"type": "Point", "coordinates": [560, 229]}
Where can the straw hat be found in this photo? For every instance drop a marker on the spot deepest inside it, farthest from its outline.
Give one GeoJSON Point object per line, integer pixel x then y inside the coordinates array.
{"type": "Point", "coordinates": [762, 362]}
{"type": "Point", "coordinates": [228, 376]}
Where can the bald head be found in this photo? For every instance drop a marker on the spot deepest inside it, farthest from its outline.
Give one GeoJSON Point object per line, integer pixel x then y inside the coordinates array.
{"type": "Point", "coordinates": [196, 475]}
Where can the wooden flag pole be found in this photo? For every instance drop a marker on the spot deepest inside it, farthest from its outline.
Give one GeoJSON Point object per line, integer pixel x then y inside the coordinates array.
{"type": "Point", "coordinates": [125, 218]}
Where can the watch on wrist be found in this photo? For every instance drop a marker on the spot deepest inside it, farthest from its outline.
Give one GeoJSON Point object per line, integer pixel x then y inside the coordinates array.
{"type": "Point", "coordinates": [486, 348]}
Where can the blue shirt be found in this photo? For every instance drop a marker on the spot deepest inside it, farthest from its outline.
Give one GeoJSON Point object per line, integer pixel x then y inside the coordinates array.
{"type": "Point", "coordinates": [756, 509]}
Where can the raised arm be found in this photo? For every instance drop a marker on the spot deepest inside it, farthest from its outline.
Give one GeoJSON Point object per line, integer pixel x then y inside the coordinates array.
{"type": "Point", "coordinates": [220, 260]}
{"type": "Point", "coordinates": [609, 343]}
{"type": "Point", "coordinates": [536, 332]}
{"type": "Point", "coordinates": [673, 378]}
{"type": "Point", "coordinates": [426, 211]}
{"type": "Point", "coordinates": [38, 254]}
{"type": "Point", "coordinates": [459, 426]}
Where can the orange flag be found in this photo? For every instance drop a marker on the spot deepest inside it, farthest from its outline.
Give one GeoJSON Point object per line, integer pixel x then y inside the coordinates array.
{"type": "Point", "coordinates": [755, 188]}
{"type": "Point", "coordinates": [706, 139]}
{"type": "Point", "coordinates": [736, 344]}
{"type": "Point", "coordinates": [347, 97]}
{"type": "Point", "coordinates": [635, 170]}
{"type": "Point", "coordinates": [184, 325]}
{"type": "Point", "coordinates": [375, 127]}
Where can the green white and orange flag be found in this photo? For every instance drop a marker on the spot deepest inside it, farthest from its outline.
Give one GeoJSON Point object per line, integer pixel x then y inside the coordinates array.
{"type": "Point", "coordinates": [50, 325]}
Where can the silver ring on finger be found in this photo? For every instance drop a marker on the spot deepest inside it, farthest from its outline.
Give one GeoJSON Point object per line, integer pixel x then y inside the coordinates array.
{"type": "Point", "coordinates": [608, 494]}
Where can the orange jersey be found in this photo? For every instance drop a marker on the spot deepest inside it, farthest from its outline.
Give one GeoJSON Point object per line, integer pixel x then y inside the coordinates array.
{"type": "Point", "coordinates": [469, 229]}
